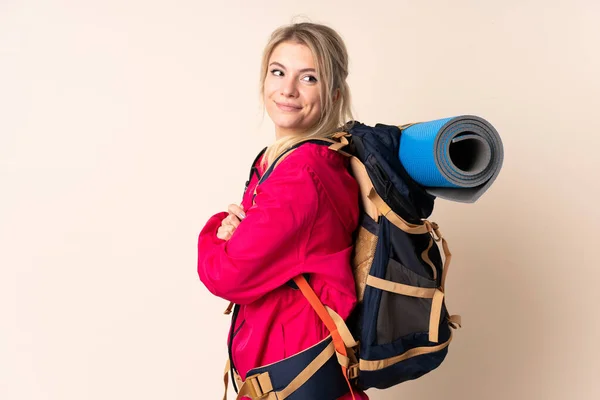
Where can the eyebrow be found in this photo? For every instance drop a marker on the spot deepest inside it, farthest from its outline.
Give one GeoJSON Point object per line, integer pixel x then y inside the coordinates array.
{"type": "Point", "coordinates": [302, 70]}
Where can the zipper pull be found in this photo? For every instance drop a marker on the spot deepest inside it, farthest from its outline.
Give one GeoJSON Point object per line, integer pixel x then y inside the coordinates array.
{"type": "Point", "coordinates": [229, 308]}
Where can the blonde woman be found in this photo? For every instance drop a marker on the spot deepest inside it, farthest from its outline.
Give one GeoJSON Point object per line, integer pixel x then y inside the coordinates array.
{"type": "Point", "coordinates": [297, 222]}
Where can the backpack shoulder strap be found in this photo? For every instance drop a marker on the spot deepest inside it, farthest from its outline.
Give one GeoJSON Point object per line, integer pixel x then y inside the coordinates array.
{"type": "Point", "coordinates": [359, 172]}
{"type": "Point", "coordinates": [342, 339]}
{"type": "Point", "coordinates": [253, 169]}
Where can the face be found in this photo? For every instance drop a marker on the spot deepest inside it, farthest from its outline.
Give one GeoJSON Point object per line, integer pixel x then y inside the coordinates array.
{"type": "Point", "coordinates": [292, 89]}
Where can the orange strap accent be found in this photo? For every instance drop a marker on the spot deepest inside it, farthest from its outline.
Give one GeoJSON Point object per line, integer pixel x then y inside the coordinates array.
{"type": "Point", "coordinates": [316, 304]}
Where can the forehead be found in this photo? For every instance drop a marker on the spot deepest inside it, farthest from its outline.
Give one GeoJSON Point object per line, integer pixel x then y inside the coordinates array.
{"type": "Point", "coordinates": [292, 55]}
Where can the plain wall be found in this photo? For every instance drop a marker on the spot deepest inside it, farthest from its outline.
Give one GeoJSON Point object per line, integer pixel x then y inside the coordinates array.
{"type": "Point", "coordinates": [125, 124]}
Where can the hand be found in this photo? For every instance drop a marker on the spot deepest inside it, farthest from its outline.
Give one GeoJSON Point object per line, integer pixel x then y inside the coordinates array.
{"type": "Point", "coordinates": [231, 222]}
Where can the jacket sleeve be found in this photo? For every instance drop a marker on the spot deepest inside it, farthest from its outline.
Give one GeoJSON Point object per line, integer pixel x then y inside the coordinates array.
{"type": "Point", "coordinates": [269, 246]}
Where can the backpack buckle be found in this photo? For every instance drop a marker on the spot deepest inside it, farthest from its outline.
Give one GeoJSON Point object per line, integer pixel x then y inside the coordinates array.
{"type": "Point", "coordinates": [259, 385]}
{"type": "Point", "coordinates": [352, 372]}
{"type": "Point", "coordinates": [434, 230]}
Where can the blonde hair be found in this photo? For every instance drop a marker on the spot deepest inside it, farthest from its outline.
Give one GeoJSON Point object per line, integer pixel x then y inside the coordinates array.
{"type": "Point", "coordinates": [331, 61]}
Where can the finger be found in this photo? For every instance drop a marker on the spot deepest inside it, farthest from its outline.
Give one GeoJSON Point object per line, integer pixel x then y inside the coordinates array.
{"type": "Point", "coordinates": [226, 236]}
{"type": "Point", "coordinates": [229, 229]}
{"type": "Point", "coordinates": [223, 233]}
{"type": "Point", "coordinates": [236, 210]}
{"type": "Point", "coordinates": [228, 220]}
{"type": "Point", "coordinates": [232, 220]}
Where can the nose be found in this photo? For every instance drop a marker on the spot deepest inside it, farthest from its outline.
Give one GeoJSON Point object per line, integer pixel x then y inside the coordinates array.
{"type": "Point", "coordinates": [288, 87]}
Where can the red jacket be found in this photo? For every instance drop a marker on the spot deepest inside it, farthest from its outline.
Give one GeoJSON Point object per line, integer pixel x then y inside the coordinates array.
{"type": "Point", "coordinates": [302, 222]}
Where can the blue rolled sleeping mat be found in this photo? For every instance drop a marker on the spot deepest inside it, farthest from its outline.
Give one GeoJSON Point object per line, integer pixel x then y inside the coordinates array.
{"type": "Point", "coordinates": [455, 158]}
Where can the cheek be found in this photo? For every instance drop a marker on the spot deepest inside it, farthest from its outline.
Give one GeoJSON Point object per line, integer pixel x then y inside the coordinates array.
{"type": "Point", "coordinates": [315, 103]}
{"type": "Point", "coordinates": [266, 91]}
{"type": "Point", "coordinates": [271, 85]}
{"type": "Point", "coordinates": [268, 97]}
{"type": "Point", "coordinates": [315, 95]}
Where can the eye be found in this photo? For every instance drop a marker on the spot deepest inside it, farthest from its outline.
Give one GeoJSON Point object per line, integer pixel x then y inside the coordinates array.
{"type": "Point", "coordinates": [311, 78]}
{"type": "Point", "coordinates": [277, 72]}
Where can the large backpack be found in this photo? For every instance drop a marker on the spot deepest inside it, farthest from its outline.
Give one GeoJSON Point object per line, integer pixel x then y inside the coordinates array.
{"type": "Point", "coordinates": [400, 328]}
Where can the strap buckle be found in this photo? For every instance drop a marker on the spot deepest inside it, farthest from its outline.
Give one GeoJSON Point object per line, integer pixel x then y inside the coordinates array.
{"type": "Point", "coordinates": [455, 321]}
{"type": "Point", "coordinates": [352, 372]}
{"type": "Point", "coordinates": [434, 230]}
{"type": "Point", "coordinates": [259, 385]}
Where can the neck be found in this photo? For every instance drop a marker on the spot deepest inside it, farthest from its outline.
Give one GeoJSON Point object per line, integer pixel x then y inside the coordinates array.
{"type": "Point", "coordinates": [280, 133]}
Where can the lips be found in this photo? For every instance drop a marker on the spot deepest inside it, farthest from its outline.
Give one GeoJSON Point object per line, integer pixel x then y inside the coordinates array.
{"type": "Point", "coordinates": [288, 107]}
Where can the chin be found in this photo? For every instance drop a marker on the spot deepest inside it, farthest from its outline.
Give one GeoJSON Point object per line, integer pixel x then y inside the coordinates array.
{"type": "Point", "coordinates": [286, 122]}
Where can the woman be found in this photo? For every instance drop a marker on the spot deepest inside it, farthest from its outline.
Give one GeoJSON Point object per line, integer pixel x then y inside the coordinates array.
{"type": "Point", "coordinates": [298, 221]}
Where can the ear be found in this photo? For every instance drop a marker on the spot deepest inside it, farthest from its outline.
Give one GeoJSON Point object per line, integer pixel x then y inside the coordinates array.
{"type": "Point", "coordinates": [336, 96]}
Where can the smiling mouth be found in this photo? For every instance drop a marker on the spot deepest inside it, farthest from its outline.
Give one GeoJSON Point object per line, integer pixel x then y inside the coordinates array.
{"type": "Point", "coordinates": [284, 107]}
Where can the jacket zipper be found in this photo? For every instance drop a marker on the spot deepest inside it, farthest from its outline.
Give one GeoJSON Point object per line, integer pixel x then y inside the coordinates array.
{"type": "Point", "coordinates": [234, 332]}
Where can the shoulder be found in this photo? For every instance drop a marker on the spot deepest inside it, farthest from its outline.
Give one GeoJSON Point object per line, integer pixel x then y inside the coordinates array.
{"type": "Point", "coordinates": [332, 179]}
{"type": "Point", "coordinates": [328, 169]}
{"type": "Point", "coordinates": [316, 158]}
{"type": "Point", "coordinates": [313, 172]}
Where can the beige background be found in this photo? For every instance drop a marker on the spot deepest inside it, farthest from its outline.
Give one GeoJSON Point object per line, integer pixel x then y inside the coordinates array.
{"type": "Point", "coordinates": [125, 124]}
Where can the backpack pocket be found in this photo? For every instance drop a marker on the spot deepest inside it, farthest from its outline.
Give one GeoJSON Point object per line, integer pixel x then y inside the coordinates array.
{"type": "Point", "coordinates": [403, 331]}
{"type": "Point", "coordinates": [400, 315]}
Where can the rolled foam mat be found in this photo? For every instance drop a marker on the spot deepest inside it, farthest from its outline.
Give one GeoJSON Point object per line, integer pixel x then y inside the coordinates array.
{"type": "Point", "coordinates": [455, 158]}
